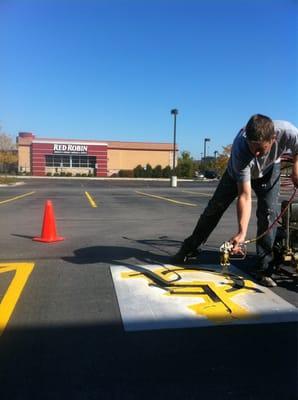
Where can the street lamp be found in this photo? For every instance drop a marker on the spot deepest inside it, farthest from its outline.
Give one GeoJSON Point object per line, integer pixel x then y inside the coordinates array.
{"type": "Point", "coordinates": [215, 154]}
{"type": "Point", "coordinates": [205, 141]}
{"type": "Point", "coordinates": [174, 112]}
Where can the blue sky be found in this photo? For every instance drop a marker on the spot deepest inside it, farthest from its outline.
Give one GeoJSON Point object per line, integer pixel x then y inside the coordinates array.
{"type": "Point", "coordinates": [113, 69]}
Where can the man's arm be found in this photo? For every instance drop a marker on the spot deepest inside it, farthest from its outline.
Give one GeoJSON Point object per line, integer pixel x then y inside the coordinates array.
{"type": "Point", "coordinates": [295, 170]}
{"type": "Point", "coordinates": [243, 214]}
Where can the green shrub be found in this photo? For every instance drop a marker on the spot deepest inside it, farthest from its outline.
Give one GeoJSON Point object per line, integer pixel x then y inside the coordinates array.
{"type": "Point", "coordinates": [157, 172]}
{"type": "Point", "coordinates": [126, 173]}
{"type": "Point", "coordinates": [166, 172]}
{"type": "Point", "coordinates": [138, 172]}
{"type": "Point", "coordinates": [78, 174]}
{"type": "Point", "coordinates": [49, 174]}
{"type": "Point", "coordinates": [148, 171]}
{"type": "Point", "coordinates": [143, 172]}
{"type": "Point", "coordinates": [7, 180]}
{"type": "Point", "coordinates": [68, 174]}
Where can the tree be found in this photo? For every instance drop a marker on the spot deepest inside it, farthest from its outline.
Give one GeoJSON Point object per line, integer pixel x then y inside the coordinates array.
{"type": "Point", "coordinates": [222, 160]}
{"type": "Point", "coordinates": [8, 153]}
{"type": "Point", "coordinates": [186, 165]}
{"type": "Point", "coordinates": [6, 142]}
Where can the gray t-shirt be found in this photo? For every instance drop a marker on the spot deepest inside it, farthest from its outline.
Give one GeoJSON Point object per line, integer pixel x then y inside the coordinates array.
{"type": "Point", "coordinates": [243, 165]}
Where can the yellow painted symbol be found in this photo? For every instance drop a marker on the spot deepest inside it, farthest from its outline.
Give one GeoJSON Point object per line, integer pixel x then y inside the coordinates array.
{"type": "Point", "coordinates": [216, 300]}
{"type": "Point", "coordinates": [16, 286]}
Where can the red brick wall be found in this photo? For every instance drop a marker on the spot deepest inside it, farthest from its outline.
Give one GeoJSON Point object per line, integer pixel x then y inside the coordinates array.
{"type": "Point", "coordinates": [101, 153]}
{"type": "Point", "coordinates": [39, 150]}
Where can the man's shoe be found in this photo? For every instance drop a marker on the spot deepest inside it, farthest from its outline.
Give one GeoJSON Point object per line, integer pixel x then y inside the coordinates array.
{"type": "Point", "coordinates": [266, 281]}
{"type": "Point", "coordinates": [184, 256]}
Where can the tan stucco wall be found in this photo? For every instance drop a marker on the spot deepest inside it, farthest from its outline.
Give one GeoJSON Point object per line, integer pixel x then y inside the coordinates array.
{"type": "Point", "coordinates": [24, 158]}
{"type": "Point", "coordinates": [129, 159]}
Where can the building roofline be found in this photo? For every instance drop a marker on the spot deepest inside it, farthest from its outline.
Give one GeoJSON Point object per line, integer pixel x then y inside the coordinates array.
{"type": "Point", "coordinates": [85, 142]}
{"type": "Point", "coordinates": [112, 144]}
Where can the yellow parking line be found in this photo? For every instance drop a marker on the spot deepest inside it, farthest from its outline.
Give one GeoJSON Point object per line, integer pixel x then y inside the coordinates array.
{"type": "Point", "coordinates": [16, 197]}
{"type": "Point", "coordinates": [206, 194]}
{"type": "Point", "coordinates": [200, 193]}
{"type": "Point", "coordinates": [9, 301]}
{"type": "Point", "coordinates": [91, 201]}
{"type": "Point", "coordinates": [167, 199]}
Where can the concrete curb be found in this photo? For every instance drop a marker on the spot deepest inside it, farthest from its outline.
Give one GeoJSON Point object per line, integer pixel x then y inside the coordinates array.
{"type": "Point", "coordinates": [113, 179]}
{"type": "Point", "coordinates": [102, 178]}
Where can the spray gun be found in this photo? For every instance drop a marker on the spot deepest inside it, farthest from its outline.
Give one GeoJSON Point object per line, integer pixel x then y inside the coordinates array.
{"type": "Point", "coordinates": [226, 255]}
{"type": "Point", "coordinates": [225, 251]}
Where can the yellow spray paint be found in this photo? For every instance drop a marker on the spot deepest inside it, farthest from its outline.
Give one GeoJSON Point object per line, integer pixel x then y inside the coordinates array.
{"type": "Point", "coordinates": [216, 300]}
{"type": "Point", "coordinates": [16, 286]}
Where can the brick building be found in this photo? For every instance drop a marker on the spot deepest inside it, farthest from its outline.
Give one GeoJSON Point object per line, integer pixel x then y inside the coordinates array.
{"type": "Point", "coordinates": [40, 156]}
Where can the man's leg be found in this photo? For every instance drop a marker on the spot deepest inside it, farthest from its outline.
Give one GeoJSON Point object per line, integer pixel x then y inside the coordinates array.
{"type": "Point", "coordinates": [225, 193]}
{"type": "Point", "coordinates": [267, 190]}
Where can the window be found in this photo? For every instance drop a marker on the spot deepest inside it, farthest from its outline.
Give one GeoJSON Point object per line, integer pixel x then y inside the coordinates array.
{"type": "Point", "coordinates": [84, 161]}
{"type": "Point", "coordinates": [65, 161]}
{"type": "Point", "coordinates": [73, 161]}
{"type": "Point", "coordinates": [57, 161]}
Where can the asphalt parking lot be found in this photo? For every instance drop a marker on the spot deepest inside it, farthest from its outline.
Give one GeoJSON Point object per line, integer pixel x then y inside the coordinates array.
{"type": "Point", "coordinates": [64, 336]}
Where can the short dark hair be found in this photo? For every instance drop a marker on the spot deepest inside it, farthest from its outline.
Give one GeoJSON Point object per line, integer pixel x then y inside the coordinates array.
{"type": "Point", "coordinates": [260, 128]}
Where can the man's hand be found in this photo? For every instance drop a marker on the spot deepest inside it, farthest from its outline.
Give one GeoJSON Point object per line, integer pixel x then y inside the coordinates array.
{"type": "Point", "coordinates": [237, 242]}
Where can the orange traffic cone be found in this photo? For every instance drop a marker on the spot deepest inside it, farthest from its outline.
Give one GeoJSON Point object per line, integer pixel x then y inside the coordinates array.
{"type": "Point", "coordinates": [48, 233]}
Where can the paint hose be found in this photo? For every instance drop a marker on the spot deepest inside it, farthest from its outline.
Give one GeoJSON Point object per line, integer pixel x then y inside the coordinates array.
{"type": "Point", "coordinates": [275, 221]}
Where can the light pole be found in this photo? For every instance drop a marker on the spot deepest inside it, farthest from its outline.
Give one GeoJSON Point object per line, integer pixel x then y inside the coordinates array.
{"type": "Point", "coordinates": [174, 112]}
{"type": "Point", "coordinates": [205, 141]}
{"type": "Point", "coordinates": [215, 154]}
